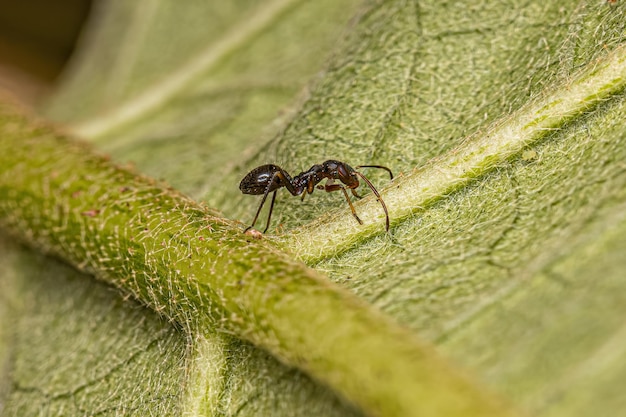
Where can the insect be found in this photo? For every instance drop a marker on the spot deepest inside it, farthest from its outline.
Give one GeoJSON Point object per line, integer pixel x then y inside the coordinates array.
{"type": "Point", "coordinates": [267, 178]}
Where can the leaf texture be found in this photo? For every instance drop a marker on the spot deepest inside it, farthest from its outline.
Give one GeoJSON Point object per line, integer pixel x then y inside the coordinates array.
{"type": "Point", "coordinates": [511, 266]}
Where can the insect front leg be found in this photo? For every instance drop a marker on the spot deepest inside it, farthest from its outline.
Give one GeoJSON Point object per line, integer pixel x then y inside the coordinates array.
{"type": "Point", "coordinates": [335, 187]}
{"type": "Point", "coordinates": [354, 193]}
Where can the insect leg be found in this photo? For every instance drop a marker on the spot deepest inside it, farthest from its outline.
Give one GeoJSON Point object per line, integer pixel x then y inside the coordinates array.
{"type": "Point", "coordinates": [269, 216]}
{"type": "Point", "coordinates": [256, 216]}
{"type": "Point", "coordinates": [334, 187]}
{"type": "Point", "coordinates": [354, 193]}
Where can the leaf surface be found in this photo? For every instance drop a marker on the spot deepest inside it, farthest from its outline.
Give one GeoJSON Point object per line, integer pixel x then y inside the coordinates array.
{"type": "Point", "coordinates": [512, 268]}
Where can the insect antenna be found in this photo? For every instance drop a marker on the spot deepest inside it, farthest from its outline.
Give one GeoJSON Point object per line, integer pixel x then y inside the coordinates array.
{"type": "Point", "coordinates": [377, 166]}
{"type": "Point", "coordinates": [375, 191]}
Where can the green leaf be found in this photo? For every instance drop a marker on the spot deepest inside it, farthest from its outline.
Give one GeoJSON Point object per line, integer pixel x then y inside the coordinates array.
{"type": "Point", "coordinates": [505, 125]}
{"type": "Point", "coordinates": [202, 272]}
{"type": "Point", "coordinates": [73, 347]}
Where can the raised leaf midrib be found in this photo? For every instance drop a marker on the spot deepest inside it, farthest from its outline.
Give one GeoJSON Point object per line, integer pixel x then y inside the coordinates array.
{"type": "Point", "coordinates": [476, 156]}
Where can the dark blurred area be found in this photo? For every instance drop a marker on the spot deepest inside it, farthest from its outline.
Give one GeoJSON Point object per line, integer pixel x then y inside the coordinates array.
{"type": "Point", "coordinates": [37, 37]}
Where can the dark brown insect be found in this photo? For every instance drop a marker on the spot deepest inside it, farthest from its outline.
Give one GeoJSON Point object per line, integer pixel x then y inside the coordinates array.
{"type": "Point", "coordinates": [268, 178]}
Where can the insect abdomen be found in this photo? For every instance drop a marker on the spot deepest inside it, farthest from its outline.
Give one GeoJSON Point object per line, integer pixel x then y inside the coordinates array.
{"type": "Point", "coordinates": [257, 180]}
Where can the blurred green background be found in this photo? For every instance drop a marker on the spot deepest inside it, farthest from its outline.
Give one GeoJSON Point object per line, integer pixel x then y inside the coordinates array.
{"type": "Point", "coordinates": [37, 38]}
